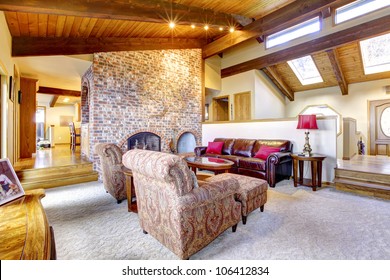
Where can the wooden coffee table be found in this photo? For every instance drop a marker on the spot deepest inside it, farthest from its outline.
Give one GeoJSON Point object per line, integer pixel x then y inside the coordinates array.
{"type": "Point", "coordinates": [218, 165]}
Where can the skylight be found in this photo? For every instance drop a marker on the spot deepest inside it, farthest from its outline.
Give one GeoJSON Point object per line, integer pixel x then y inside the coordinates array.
{"type": "Point", "coordinates": [306, 70]}
{"type": "Point", "coordinates": [358, 8]}
{"type": "Point", "coordinates": [291, 33]}
{"type": "Point", "coordinates": [376, 54]}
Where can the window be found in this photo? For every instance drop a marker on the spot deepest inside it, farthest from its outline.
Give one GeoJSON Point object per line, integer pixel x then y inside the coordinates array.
{"type": "Point", "coordinates": [311, 26]}
{"type": "Point", "coordinates": [358, 8]}
{"type": "Point", "coordinates": [305, 70]}
{"type": "Point", "coordinates": [323, 110]}
{"type": "Point", "coordinates": [376, 54]}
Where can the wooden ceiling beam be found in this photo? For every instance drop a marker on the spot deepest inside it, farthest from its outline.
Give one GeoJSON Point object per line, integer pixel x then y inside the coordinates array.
{"type": "Point", "coordinates": [338, 72]}
{"type": "Point", "coordinates": [358, 32]}
{"type": "Point", "coordinates": [36, 46]}
{"type": "Point", "coordinates": [272, 73]}
{"type": "Point", "coordinates": [54, 100]}
{"type": "Point", "coordinates": [287, 16]}
{"type": "Point", "coordinates": [156, 11]}
{"type": "Point", "coordinates": [59, 91]}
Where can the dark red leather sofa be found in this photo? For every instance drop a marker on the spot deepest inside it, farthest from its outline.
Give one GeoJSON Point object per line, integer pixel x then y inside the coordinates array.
{"type": "Point", "coordinates": [275, 168]}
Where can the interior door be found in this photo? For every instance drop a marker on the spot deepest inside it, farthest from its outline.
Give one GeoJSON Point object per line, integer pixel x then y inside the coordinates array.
{"type": "Point", "coordinates": [379, 124]}
{"type": "Point", "coordinates": [221, 108]}
{"type": "Point", "coordinates": [242, 106]}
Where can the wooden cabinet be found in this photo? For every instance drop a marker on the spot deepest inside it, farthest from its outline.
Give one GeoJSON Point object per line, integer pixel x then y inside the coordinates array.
{"type": "Point", "coordinates": [27, 117]}
{"type": "Point", "coordinates": [24, 230]}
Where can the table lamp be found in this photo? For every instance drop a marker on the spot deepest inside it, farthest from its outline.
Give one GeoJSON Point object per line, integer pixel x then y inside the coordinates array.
{"type": "Point", "coordinates": [307, 122]}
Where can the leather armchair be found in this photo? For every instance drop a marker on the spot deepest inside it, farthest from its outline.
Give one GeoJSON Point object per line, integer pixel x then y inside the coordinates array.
{"type": "Point", "coordinates": [182, 216]}
{"type": "Point", "coordinates": [114, 180]}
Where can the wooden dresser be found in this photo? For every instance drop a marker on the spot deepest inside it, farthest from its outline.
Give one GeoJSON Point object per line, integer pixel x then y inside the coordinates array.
{"type": "Point", "coordinates": [24, 230]}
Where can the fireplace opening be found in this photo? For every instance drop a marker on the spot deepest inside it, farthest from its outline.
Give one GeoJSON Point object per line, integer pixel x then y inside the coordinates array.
{"type": "Point", "coordinates": [186, 143]}
{"type": "Point", "coordinates": [145, 141]}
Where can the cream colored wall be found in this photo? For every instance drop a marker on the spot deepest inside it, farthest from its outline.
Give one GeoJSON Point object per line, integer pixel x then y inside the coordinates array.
{"type": "Point", "coordinates": [8, 108]}
{"type": "Point", "coordinates": [354, 105]}
{"type": "Point", "coordinates": [213, 73]}
{"type": "Point", "coordinates": [267, 102]}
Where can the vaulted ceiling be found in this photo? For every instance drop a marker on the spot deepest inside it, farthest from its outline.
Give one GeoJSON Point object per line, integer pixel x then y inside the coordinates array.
{"type": "Point", "coordinates": [56, 27]}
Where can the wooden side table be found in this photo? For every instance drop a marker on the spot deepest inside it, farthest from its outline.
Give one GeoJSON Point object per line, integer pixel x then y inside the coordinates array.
{"type": "Point", "coordinates": [130, 193]}
{"type": "Point", "coordinates": [315, 161]}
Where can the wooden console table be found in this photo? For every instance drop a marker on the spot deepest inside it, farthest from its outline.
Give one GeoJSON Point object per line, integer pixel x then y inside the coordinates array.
{"type": "Point", "coordinates": [316, 170]}
{"type": "Point", "coordinates": [24, 231]}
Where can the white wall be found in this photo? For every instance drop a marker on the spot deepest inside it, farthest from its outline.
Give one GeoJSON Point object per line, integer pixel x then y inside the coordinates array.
{"type": "Point", "coordinates": [267, 101]}
{"type": "Point", "coordinates": [322, 141]}
{"type": "Point", "coordinates": [354, 105]}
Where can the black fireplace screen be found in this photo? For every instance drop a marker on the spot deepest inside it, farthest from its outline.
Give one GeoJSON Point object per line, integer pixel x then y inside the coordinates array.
{"type": "Point", "coordinates": [144, 140]}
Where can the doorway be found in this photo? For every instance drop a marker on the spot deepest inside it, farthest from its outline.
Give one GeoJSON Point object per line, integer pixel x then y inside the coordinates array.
{"type": "Point", "coordinates": [221, 108]}
{"type": "Point", "coordinates": [40, 118]}
{"type": "Point", "coordinates": [379, 124]}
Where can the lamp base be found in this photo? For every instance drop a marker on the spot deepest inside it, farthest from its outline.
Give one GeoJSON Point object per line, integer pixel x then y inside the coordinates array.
{"type": "Point", "coordinates": [306, 148]}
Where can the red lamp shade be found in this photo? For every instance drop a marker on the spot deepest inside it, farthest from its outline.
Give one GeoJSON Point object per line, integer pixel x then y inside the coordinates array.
{"type": "Point", "coordinates": [307, 122]}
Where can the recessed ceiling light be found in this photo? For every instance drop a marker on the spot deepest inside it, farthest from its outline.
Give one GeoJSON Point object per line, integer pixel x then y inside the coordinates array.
{"type": "Point", "coordinates": [66, 99]}
{"type": "Point", "coordinates": [206, 27]}
{"type": "Point", "coordinates": [231, 29]}
{"type": "Point", "coordinates": [192, 26]}
{"type": "Point", "coordinates": [221, 28]}
{"type": "Point", "coordinates": [172, 25]}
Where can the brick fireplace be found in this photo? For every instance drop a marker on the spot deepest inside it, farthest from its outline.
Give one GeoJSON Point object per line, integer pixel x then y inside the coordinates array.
{"type": "Point", "coordinates": [142, 91]}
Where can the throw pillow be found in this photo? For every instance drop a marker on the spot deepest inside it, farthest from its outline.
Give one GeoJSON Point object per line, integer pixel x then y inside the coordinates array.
{"type": "Point", "coordinates": [194, 179]}
{"type": "Point", "coordinates": [214, 148]}
{"type": "Point", "coordinates": [265, 151]}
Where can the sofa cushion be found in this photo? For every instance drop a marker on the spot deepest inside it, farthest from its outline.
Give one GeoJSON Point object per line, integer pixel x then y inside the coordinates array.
{"type": "Point", "coordinates": [234, 159]}
{"type": "Point", "coordinates": [265, 151]}
{"type": "Point", "coordinates": [227, 146]}
{"type": "Point", "coordinates": [214, 148]}
{"type": "Point", "coordinates": [243, 147]}
{"type": "Point", "coordinates": [252, 163]}
{"type": "Point", "coordinates": [284, 145]}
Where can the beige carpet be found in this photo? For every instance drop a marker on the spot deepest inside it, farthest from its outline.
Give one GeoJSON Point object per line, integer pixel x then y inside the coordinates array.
{"type": "Point", "coordinates": [297, 224]}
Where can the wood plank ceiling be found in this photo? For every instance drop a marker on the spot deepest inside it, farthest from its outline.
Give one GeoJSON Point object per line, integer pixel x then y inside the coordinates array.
{"type": "Point", "coordinates": [56, 27]}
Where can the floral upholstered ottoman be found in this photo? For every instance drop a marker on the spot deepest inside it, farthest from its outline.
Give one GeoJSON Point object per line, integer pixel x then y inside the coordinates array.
{"type": "Point", "coordinates": [252, 193]}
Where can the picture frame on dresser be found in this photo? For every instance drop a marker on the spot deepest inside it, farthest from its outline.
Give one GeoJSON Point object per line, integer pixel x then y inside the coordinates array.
{"type": "Point", "coordinates": [10, 187]}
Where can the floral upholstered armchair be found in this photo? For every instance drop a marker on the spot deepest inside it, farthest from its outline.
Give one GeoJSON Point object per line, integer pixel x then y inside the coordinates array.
{"type": "Point", "coordinates": [114, 180]}
{"type": "Point", "coordinates": [182, 216]}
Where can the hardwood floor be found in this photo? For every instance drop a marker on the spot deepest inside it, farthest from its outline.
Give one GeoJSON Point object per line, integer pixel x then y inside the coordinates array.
{"type": "Point", "coordinates": [60, 155]}
{"type": "Point", "coordinates": [367, 175]}
{"type": "Point", "coordinates": [55, 167]}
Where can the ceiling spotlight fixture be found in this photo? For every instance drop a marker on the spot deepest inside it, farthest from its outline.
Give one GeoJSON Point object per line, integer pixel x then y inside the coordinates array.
{"type": "Point", "coordinates": [66, 99]}
{"type": "Point", "coordinates": [221, 28]}
{"type": "Point", "coordinates": [206, 27]}
{"type": "Point", "coordinates": [231, 29]}
{"type": "Point", "coordinates": [172, 25]}
{"type": "Point", "coordinates": [192, 26]}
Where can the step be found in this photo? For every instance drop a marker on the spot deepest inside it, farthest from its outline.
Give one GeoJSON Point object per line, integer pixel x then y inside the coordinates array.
{"type": "Point", "coordinates": [362, 176]}
{"type": "Point", "coordinates": [53, 172]}
{"type": "Point", "coordinates": [363, 187]}
{"type": "Point", "coordinates": [47, 183]}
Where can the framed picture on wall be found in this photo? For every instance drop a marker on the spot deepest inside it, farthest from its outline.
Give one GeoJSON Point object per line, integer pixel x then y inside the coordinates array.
{"type": "Point", "coordinates": [10, 188]}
